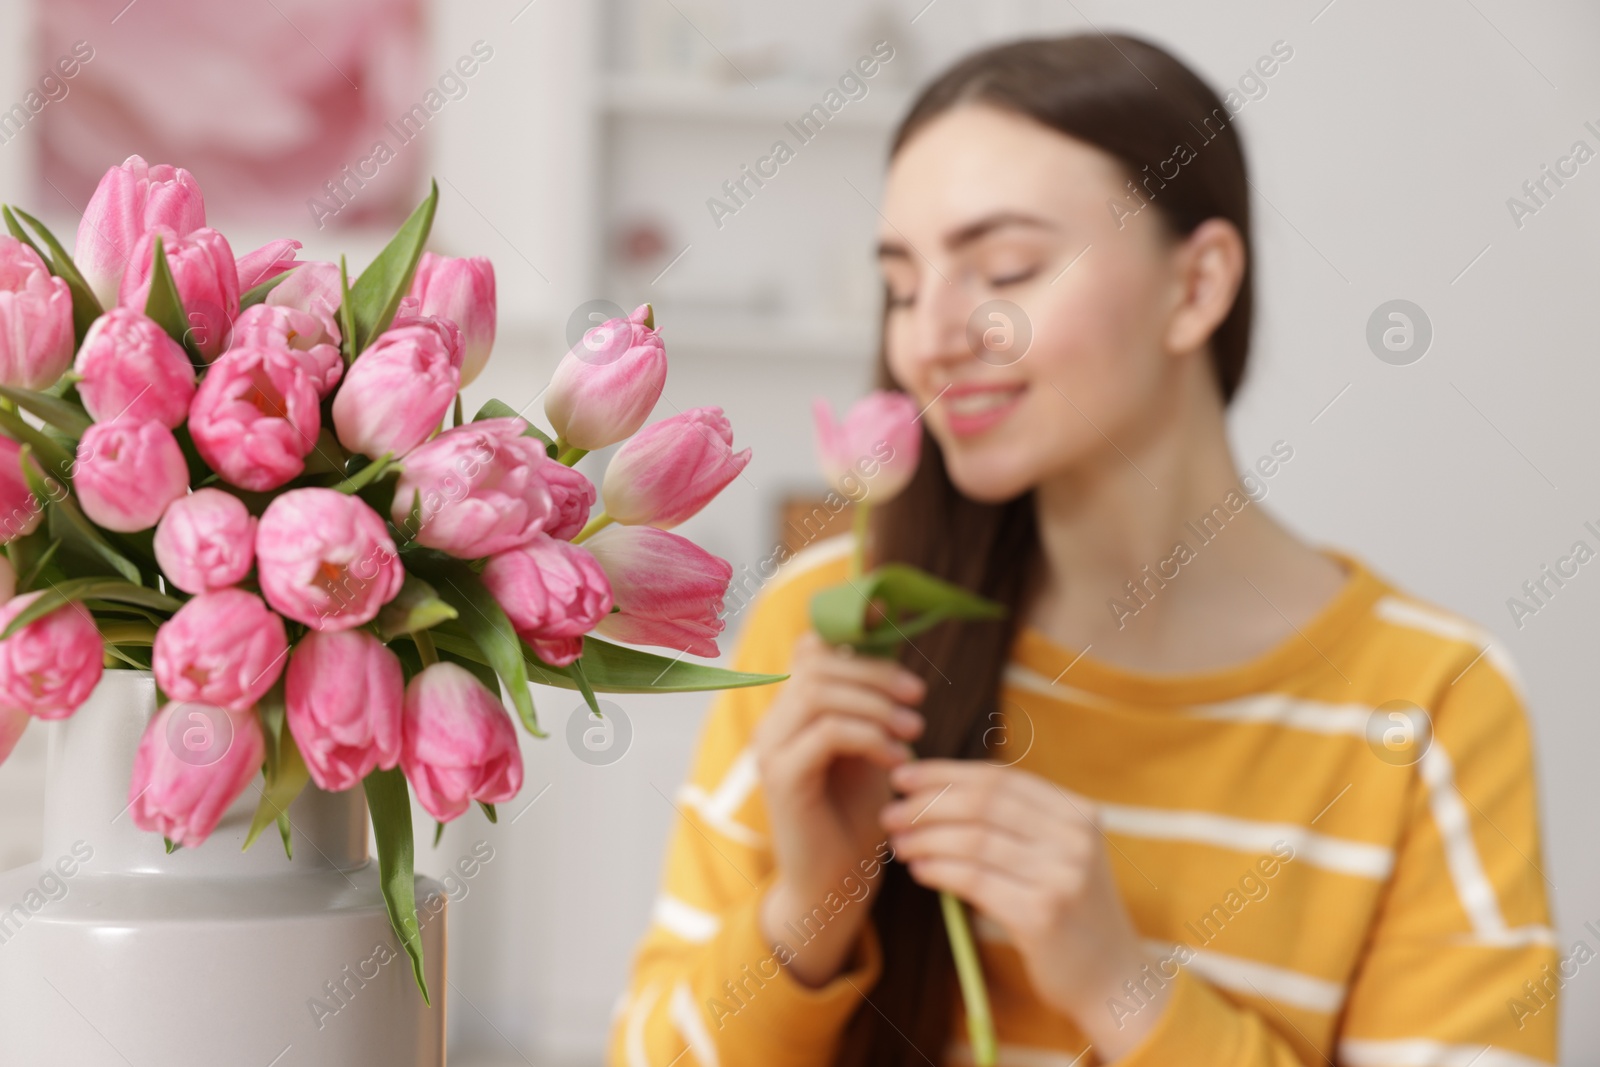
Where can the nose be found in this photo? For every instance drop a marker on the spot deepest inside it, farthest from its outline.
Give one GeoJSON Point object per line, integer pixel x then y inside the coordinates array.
{"type": "Point", "coordinates": [939, 322]}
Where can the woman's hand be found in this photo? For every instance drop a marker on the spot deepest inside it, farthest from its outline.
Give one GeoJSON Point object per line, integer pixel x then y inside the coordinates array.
{"type": "Point", "coordinates": [1030, 856]}
{"type": "Point", "coordinates": [836, 727]}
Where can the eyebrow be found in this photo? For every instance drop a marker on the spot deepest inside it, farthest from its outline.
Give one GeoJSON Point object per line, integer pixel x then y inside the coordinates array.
{"type": "Point", "coordinates": [972, 231]}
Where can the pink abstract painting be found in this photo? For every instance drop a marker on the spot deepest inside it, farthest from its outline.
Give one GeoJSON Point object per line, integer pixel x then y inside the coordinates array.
{"type": "Point", "coordinates": [265, 101]}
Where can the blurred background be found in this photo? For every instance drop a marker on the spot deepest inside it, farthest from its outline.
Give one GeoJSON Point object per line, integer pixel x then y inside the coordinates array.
{"type": "Point", "coordinates": [584, 146]}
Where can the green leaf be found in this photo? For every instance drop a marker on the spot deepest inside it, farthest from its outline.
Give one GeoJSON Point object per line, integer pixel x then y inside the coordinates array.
{"type": "Point", "coordinates": [171, 848]}
{"type": "Point", "coordinates": [69, 525]}
{"type": "Point", "coordinates": [284, 770]}
{"type": "Point", "coordinates": [20, 234]}
{"type": "Point", "coordinates": [499, 409]}
{"type": "Point", "coordinates": [258, 294]}
{"type": "Point", "coordinates": [390, 803]}
{"type": "Point", "coordinates": [378, 468]}
{"type": "Point", "coordinates": [85, 305]}
{"type": "Point", "coordinates": [57, 462]}
{"type": "Point", "coordinates": [574, 670]}
{"type": "Point", "coordinates": [165, 306]}
{"type": "Point", "coordinates": [416, 607]}
{"type": "Point", "coordinates": [438, 832]}
{"type": "Point", "coordinates": [489, 812]}
{"type": "Point", "coordinates": [880, 610]}
{"type": "Point", "coordinates": [347, 319]}
{"type": "Point", "coordinates": [612, 668]}
{"type": "Point", "coordinates": [126, 632]}
{"type": "Point", "coordinates": [376, 295]}
{"type": "Point", "coordinates": [31, 575]}
{"type": "Point", "coordinates": [64, 415]}
{"type": "Point", "coordinates": [485, 622]}
{"type": "Point", "coordinates": [75, 589]}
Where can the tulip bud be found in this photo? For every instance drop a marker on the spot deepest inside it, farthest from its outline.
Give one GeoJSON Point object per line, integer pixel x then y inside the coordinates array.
{"type": "Point", "coordinates": [20, 510]}
{"type": "Point", "coordinates": [182, 792]}
{"type": "Point", "coordinates": [130, 201]}
{"type": "Point", "coordinates": [667, 589]}
{"type": "Point", "coordinates": [553, 592]}
{"type": "Point", "coordinates": [874, 451]}
{"type": "Point", "coordinates": [344, 692]}
{"type": "Point", "coordinates": [479, 489]}
{"type": "Point", "coordinates": [299, 333]}
{"type": "Point", "coordinates": [127, 473]}
{"type": "Point", "coordinates": [458, 742]}
{"type": "Point", "coordinates": [604, 388]}
{"type": "Point", "coordinates": [672, 469]}
{"type": "Point", "coordinates": [255, 417]}
{"type": "Point", "coordinates": [50, 666]}
{"type": "Point", "coordinates": [313, 288]}
{"type": "Point", "coordinates": [207, 280]}
{"type": "Point", "coordinates": [128, 368]}
{"type": "Point", "coordinates": [36, 331]}
{"type": "Point", "coordinates": [326, 559]}
{"type": "Point", "coordinates": [224, 649]}
{"type": "Point", "coordinates": [571, 496]}
{"type": "Point", "coordinates": [397, 393]}
{"type": "Point", "coordinates": [205, 541]}
{"type": "Point", "coordinates": [462, 291]}
{"type": "Point", "coordinates": [266, 263]}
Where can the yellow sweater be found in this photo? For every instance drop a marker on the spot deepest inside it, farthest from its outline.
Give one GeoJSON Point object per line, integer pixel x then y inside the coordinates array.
{"type": "Point", "coordinates": [1316, 896]}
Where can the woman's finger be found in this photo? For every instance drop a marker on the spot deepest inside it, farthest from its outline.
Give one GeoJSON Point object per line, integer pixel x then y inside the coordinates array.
{"type": "Point", "coordinates": [810, 752]}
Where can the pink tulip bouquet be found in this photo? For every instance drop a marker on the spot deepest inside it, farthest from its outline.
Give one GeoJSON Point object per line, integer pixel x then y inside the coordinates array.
{"type": "Point", "coordinates": [870, 457]}
{"type": "Point", "coordinates": [252, 477]}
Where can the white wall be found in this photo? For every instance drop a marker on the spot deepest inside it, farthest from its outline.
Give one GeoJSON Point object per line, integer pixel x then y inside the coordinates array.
{"type": "Point", "coordinates": [1382, 154]}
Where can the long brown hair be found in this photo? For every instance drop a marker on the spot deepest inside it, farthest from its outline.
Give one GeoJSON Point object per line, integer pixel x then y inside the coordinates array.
{"type": "Point", "coordinates": [1136, 102]}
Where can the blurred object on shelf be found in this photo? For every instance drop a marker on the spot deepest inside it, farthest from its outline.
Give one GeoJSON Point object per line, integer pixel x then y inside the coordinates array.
{"type": "Point", "coordinates": [641, 244]}
{"type": "Point", "coordinates": [805, 519]}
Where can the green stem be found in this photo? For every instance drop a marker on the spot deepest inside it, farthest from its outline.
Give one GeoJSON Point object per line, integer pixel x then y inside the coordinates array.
{"type": "Point", "coordinates": [568, 456]}
{"type": "Point", "coordinates": [459, 416]}
{"type": "Point", "coordinates": [425, 649]}
{"type": "Point", "coordinates": [969, 971]}
{"type": "Point", "coordinates": [595, 525]}
{"type": "Point", "coordinates": [858, 551]}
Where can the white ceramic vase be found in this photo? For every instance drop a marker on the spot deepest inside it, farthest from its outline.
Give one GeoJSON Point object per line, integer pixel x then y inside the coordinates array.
{"type": "Point", "coordinates": [114, 952]}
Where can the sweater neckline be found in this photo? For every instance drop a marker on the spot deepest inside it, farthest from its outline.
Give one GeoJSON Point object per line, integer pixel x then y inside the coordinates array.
{"type": "Point", "coordinates": [1312, 644]}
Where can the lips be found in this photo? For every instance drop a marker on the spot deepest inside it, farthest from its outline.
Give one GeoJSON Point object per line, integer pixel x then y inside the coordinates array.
{"type": "Point", "coordinates": [972, 409]}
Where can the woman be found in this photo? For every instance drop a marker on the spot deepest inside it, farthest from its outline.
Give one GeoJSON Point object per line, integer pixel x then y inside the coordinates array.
{"type": "Point", "coordinates": [1202, 816]}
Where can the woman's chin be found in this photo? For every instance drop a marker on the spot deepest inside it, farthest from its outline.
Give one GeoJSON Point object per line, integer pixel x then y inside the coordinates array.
{"type": "Point", "coordinates": [988, 482]}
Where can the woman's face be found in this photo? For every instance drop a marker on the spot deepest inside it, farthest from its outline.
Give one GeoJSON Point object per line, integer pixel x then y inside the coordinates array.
{"type": "Point", "coordinates": [984, 205]}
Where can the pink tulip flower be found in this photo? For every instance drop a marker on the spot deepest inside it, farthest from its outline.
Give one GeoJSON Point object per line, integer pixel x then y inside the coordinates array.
{"type": "Point", "coordinates": [572, 497]}
{"type": "Point", "coordinates": [50, 666]}
{"type": "Point", "coordinates": [604, 389]}
{"type": "Point", "coordinates": [479, 489]}
{"type": "Point", "coordinates": [222, 648]}
{"type": "Point", "coordinates": [206, 541]}
{"type": "Point", "coordinates": [128, 472]}
{"type": "Point", "coordinates": [345, 694]}
{"type": "Point", "coordinates": [20, 510]}
{"type": "Point", "coordinates": [458, 742]}
{"type": "Point", "coordinates": [130, 201]}
{"type": "Point", "coordinates": [128, 368]}
{"type": "Point", "coordinates": [672, 469]}
{"type": "Point", "coordinates": [36, 332]}
{"type": "Point", "coordinates": [255, 417]}
{"type": "Point", "coordinates": [203, 268]}
{"type": "Point", "coordinates": [182, 793]}
{"type": "Point", "coordinates": [395, 395]}
{"type": "Point", "coordinates": [668, 590]}
{"type": "Point", "coordinates": [266, 263]}
{"type": "Point", "coordinates": [553, 592]}
{"type": "Point", "coordinates": [298, 332]}
{"type": "Point", "coordinates": [313, 288]}
{"type": "Point", "coordinates": [326, 559]}
{"type": "Point", "coordinates": [875, 450]}
{"type": "Point", "coordinates": [462, 291]}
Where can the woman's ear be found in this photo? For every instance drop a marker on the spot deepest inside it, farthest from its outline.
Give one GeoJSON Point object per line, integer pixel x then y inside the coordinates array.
{"type": "Point", "coordinates": [1210, 266]}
